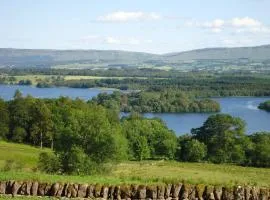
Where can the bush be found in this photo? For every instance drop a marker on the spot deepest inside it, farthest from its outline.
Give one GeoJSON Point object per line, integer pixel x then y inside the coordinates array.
{"type": "Point", "coordinates": [193, 151]}
{"type": "Point", "coordinates": [49, 163]}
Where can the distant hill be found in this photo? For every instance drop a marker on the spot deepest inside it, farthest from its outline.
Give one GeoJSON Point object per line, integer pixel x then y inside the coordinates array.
{"type": "Point", "coordinates": [253, 53]}
{"type": "Point", "coordinates": [48, 58]}
{"type": "Point", "coordinates": [24, 57]}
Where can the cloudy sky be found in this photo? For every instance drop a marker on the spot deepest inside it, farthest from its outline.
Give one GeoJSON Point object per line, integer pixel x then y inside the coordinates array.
{"type": "Point", "coordinates": [157, 26]}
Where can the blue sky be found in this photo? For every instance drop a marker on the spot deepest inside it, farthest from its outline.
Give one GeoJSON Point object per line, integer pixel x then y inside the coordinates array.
{"type": "Point", "coordinates": [156, 26]}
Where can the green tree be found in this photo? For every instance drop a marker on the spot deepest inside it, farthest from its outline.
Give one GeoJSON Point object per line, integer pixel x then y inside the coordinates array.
{"type": "Point", "coordinates": [224, 137]}
{"type": "Point", "coordinates": [193, 151]}
{"type": "Point", "coordinates": [4, 120]}
{"type": "Point", "coordinates": [41, 123]}
{"type": "Point", "coordinates": [260, 153]}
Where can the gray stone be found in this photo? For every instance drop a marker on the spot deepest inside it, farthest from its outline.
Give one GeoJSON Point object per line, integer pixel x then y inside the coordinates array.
{"type": "Point", "coordinates": [54, 190]}
{"type": "Point", "coordinates": [15, 188]}
{"type": "Point", "coordinates": [168, 189]}
{"type": "Point", "coordinates": [60, 190]}
{"type": "Point", "coordinates": [141, 192]}
{"type": "Point", "coordinates": [82, 191]}
{"type": "Point", "coordinates": [175, 191]}
{"type": "Point", "coordinates": [41, 189]}
{"type": "Point", "coordinates": [90, 191]}
{"type": "Point", "coordinates": [161, 192]}
{"type": "Point", "coordinates": [3, 185]}
{"type": "Point", "coordinates": [105, 192]}
{"type": "Point", "coordinates": [151, 192]}
{"type": "Point", "coordinates": [34, 188]}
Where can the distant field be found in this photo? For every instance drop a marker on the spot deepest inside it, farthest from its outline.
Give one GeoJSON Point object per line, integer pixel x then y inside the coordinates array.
{"type": "Point", "coordinates": [48, 78]}
{"type": "Point", "coordinates": [147, 172]}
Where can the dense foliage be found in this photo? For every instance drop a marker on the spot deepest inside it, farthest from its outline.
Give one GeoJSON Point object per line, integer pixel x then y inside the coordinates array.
{"type": "Point", "coordinates": [196, 83]}
{"type": "Point", "coordinates": [265, 106]}
{"type": "Point", "coordinates": [85, 136]}
{"type": "Point", "coordinates": [157, 102]}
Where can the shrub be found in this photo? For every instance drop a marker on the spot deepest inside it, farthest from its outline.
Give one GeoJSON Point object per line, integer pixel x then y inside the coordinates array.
{"type": "Point", "coordinates": [49, 163]}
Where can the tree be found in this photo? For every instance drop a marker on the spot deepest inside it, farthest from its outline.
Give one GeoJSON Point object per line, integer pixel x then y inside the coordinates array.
{"type": "Point", "coordinates": [4, 120]}
{"type": "Point", "coordinates": [224, 138]}
{"type": "Point", "coordinates": [148, 138]}
{"type": "Point", "coordinates": [260, 153]}
{"type": "Point", "coordinates": [41, 122]}
{"type": "Point", "coordinates": [193, 151]}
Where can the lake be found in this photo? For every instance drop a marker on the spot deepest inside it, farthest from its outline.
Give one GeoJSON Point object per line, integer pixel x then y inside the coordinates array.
{"type": "Point", "coordinates": [243, 107]}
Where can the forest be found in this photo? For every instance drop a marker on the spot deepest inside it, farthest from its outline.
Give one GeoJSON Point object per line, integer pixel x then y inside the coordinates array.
{"type": "Point", "coordinates": [198, 84]}
{"type": "Point", "coordinates": [156, 102]}
{"type": "Point", "coordinates": [84, 136]}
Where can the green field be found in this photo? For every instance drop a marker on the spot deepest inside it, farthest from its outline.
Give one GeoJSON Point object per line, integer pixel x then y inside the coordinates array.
{"type": "Point", "coordinates": [48, 78]}
{"type": "Point", "coordinates": [147, 172]}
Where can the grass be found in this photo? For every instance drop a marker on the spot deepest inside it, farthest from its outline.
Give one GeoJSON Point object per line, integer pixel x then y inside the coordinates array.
{"type": "Point", "coordinates": [146, 172]}
{"type": "Point", "coordinates": [24, 155]}
{"type": "Point", "coordinates": [23, 197]}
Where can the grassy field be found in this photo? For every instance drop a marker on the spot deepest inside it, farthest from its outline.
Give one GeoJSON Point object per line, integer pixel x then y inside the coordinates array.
{"type": "Point", "coordinates": [39, 78]}
{"type": "Point", "coordinates": [24, 155]}
{"type": "Point", "coordinates": [147, 172]}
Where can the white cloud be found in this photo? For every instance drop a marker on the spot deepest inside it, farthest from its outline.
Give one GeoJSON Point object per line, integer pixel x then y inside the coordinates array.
{"type": "Point", "coordinates": [245, 22]}
{"type": "Point", "coordinates": [122, 16]}
{"type": "Point", "coordinates": [237, 25]}
{"type": "Point", "coordinates": [112, 40]}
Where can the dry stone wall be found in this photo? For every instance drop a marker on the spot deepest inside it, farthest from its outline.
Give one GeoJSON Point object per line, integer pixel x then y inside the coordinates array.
{"type": "Point", "coordinates": [140, 192]}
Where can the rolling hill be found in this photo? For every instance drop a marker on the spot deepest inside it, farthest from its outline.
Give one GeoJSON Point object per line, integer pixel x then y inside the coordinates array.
{"type": "Point", "coordinates": [48, 58]}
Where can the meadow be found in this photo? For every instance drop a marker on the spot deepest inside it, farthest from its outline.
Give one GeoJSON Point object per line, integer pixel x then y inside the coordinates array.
{"type": "Point", "coordinates": [145, 172]}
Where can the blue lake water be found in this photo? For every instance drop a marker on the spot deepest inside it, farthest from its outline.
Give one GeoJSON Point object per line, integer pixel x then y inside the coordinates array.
{"type": "Point", "coordinates": [243, 107]}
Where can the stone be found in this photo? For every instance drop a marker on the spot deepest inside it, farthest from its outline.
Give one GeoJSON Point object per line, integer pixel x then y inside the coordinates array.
{"type": "Point", "coordinates": [217, 193]}
{"type": "Point", "coordinates": [117, 193]}
{"type": "Point", "coordinates": [9, 187]}
{"type": "Point", "coordinates": [3, 185]}
{"type": "Point", "coordinates": [175, 191]}
{"type": "Point", "coordinates": [97, 191]}
{"type": "Point", "coordinates": [141, 192]}
{"type": "Point", "coordinates": [28, 187]}
{"type": "Point", "coordinates": [34, 188]}
{"type": "Point", "coordinates": [125, 192]}
{"type": "Point", "coordinates": [227, 194]}
{"type": "Point", "coordinates": [264, 194]}
{"type": "Point", "coordinates": [105, 192]}
{"type": "Point", "coordinates": [68, 191]}
{"type": "Point", "coordinates": [134, 191]}
{"type": "Point", "coordinates": [47, 190]}
{"type": "Point", "coordinates": [23, 189]}
{"type": "Point", "coordinates": [161, 192]}
{"type": "Point", "coordinates": [82, 190]}
{"type": "Point", "coordinates": [239, 193]}
{"type": "Point", "coordinates": [208, 193]}
{"type": "Point", "coordinates": [41, 189]}
{"type": "Point", "coordinates": [254, 193]}
{"type": "Point", "coordinates": [90, 191]}
{"type": "Point", "coordinates": [60, 190]}
{"type": "Point", "coordinates": [15, 188]}
{"type": "Point", "coordinates": [74, 190]}
{"type": "Point", "coordinates": [168, 189]}
{"type": "Point", "coordinates": [111, 193]}
{"type": "Point", "coordinates": [151, 192]}
{"type": "Point", "coordinates": [54, 190]}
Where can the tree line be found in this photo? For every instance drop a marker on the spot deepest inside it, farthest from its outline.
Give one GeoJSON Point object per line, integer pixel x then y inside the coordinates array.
{"type": "Point", "coordinates": [265, 106]}
{"type": "Point", "coordinates": [157, 102]}
{"type": "Point", "coordinates": [85, 136]}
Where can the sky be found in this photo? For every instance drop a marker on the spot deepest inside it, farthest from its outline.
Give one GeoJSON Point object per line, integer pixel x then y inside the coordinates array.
{"type": "Point", "coordinates": [155, 26]}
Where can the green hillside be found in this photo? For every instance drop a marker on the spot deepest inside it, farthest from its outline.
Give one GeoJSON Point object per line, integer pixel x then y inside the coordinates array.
{"type": "Point", "coordinates": [25, 157]}
{"type": "Point", "coordinates": [147, 172]}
